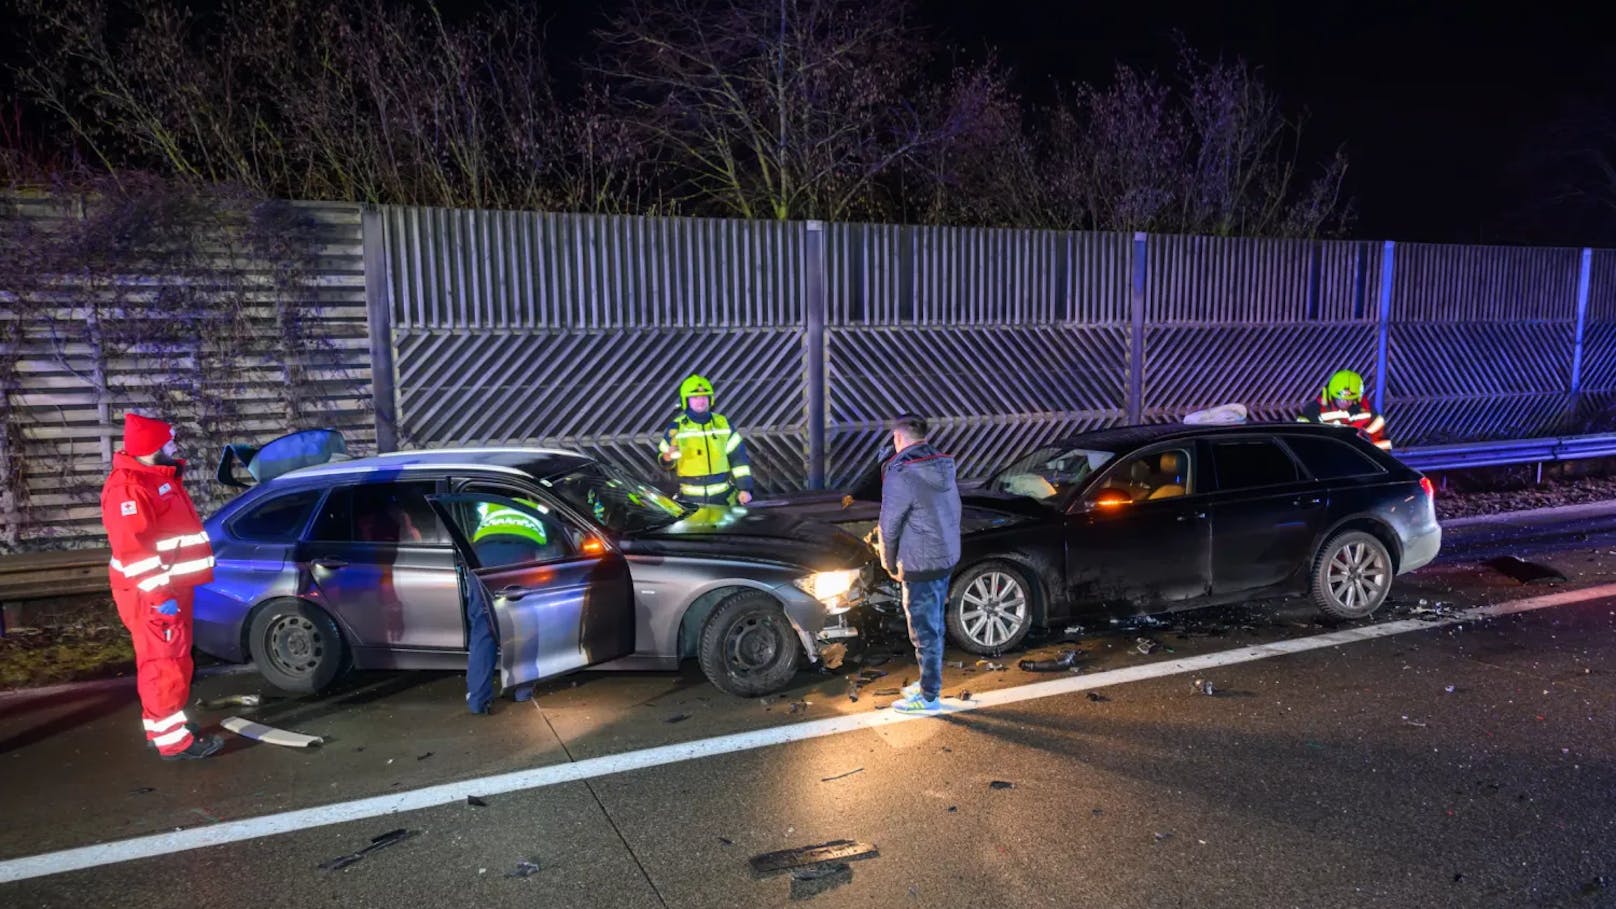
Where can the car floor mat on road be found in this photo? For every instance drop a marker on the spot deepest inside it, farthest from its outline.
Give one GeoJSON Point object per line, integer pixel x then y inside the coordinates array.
{"type": "Point", "coordinates": [1524, 571]}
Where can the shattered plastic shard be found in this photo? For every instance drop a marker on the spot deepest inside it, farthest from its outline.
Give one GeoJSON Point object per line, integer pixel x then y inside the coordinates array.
{"type": "Point", "coordinates": [525, 869]}
{"type": "Point", "coordinates": [1001, 784]}
{"type": "Point", "coordinates": [1066, 660]}
{"type": "Point", "coordinates": [835, 850]}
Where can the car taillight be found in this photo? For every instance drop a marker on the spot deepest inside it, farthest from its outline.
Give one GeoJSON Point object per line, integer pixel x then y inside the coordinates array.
{"type": "Point", "coordinates": [1429, 487]}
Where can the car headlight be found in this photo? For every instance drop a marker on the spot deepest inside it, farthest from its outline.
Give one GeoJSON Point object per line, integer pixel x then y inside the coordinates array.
{"type": "Point", "coordinates": [830, 587]}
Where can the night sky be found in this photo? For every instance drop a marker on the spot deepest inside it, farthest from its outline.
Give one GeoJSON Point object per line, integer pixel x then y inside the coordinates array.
{"type": "Point", "coordinates": [1442, 107]}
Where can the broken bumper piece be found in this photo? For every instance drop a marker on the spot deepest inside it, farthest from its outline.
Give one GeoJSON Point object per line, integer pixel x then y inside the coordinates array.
{"type": "Point", "coordinates": [269, 734]}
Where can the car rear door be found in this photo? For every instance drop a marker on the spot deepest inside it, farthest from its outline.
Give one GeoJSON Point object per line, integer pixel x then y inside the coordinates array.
{"type": "Point", "coordinates": [560, 596]}
{"type": "Point", "coordinates": [1266, 514]}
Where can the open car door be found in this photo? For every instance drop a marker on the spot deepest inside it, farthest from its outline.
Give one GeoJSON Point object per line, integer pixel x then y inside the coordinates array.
{"type": "Point", "coordinates": [560, 596]}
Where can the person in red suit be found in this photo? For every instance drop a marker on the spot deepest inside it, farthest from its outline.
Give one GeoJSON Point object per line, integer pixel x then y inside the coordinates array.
{"type": "Point", "coordinates": [160, 553]}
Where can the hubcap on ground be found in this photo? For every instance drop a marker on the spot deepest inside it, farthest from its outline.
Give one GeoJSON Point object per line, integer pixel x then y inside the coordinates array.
{"type": "Point", "coordinates": [993, 609]}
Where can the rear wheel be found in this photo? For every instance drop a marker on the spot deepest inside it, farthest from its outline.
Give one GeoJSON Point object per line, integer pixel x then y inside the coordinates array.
{"type": "Point", "coordinates": [748, 647]}
{"type": "Point", "coordinates": [990, 608]}
{"type": "Point", "coordinates": [296, 646]}
{"type": "Point", "coordinates": [1352, 575]}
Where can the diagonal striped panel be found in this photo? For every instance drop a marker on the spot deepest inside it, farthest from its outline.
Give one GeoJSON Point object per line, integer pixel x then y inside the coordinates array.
{"type": "Point", "coordinates": [497, 386]}
{"type": "Point", "coordinates": [981, 444]}
{"type": "Point", "coordinates": [875, 374]}
{"type": "Point", "coordinates": [1438, 421]}
{"type": "Point", "coordinates": [1434, 359]}
{"type": "Point", "coordinates": [1272, 369]}
{"type": "Point", "coordinates": [1599, 356]}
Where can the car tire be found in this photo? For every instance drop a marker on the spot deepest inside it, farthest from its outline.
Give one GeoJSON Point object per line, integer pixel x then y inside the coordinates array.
{"type": "Point", "coordinates": [1001, 590]}
{"type": "Point", "coordinates": [296, 646]}
{"type": "Point", "coordinates": [1352, 575]}
{"type": "Point", "coordinates": [748, 647]}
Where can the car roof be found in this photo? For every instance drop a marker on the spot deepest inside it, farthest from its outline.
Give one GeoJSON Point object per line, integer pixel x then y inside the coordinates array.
{"type": "Point", "coordinates": [1126, 438]}
{"type": "Point", "coordinates": [534, 462]}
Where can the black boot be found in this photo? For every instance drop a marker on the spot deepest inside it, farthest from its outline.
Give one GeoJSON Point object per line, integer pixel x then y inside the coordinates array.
{"type": "Point", "coordinates": [200, 747]}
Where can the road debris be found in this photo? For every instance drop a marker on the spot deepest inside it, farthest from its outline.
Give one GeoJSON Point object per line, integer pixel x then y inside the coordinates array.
{"type": "Point", "coordinates": [269, 735]}
{"type": "Point", "coordinates": [231, 700]}
{"type": "Point", "coordinates": [1420, 724]}
{"type": "Point", "coordinates": [677, 718]}
{"type": "Point", "coordinates": [422, 757]}
{"type": "Point", "coordinates": [799, 706]}
{"type": "Point", "coordinates": [990, 666]}
{"type": "Point", "coordinates": [841, 776]}
{"type": "Point", "coordinates": [965, 695]}
{"type": "Point", "coordinates": [1162, 837]}
{"type": "Point", "coordinates": [877, 659]}
{"type": "Point", "coordinates": [887, 692]}
{"type": "Point", "coordinates": [1450, 689]}
{"type": "Point", "coordinates": [866, 676]}
{"type": "Point", "coordinates": [1205, 687]}
{"type": "Point", "coordinates": [802, 856]}
{"type": "Point", "coordinates": [1148, 646]}
{"type": "Point", "coordinates": [954, 664]}
{"type": "Point", "coordinates": [524, 870]}
{"type": "Point", "coordinates": [1067, 659]}
{"type": "Point", "coordinates": [389, 838]}
{"type": "Point", "coordinates": [1097, 697]}
{"type": "Point", "coordinates": [832, 655]}
{"type": "Point", "coordinates": [1433, 613]}
{"type": "Point", "coordinates": [1523, 571]}
{"type": "Point", "coordinates": [476, 801]}
{"type": "Point", "coordinates": [144, 790]}
{"type": "Point", "coordinates": [807, 883]}
{"type": "Point", "coordinates": [726, 841]}
{"type": "Point", "coordinates": [1001, 784]}
{"type": "Point", "coordinates": [853, 690]}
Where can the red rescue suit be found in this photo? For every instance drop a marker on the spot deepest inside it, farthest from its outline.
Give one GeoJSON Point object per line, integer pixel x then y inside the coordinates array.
{"type": "Point", "coordinates": [159, 553]}
{"type": "Point", "coordinates": [1359, 417]}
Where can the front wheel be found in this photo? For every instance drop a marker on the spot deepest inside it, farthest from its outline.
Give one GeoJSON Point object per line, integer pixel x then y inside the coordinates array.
{"type": "Point", "coordinates": [296, 646]}
{"type": "Point", "coordinates": [990, 608]}
{"type": "Point", "coordinates": [1352, 576]}
{"type": "Point", "coordinates": [748, 647]}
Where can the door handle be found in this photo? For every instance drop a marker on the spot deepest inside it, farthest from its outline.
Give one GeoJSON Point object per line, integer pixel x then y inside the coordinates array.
{"type": "Point", "coordinates": [1307, 501]}
{"type": "Point", "coordinates": [1192, 516]}
{"type": "Point", "coordinates": [331, 563]}
{"type": "Point", "coordinates": [513, 592]}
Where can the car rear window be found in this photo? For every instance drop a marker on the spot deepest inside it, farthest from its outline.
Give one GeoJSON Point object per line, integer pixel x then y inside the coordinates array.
{"type": "Point", "coordinates": [1331, 459]}
{"type": "Point", "coordinates": [1251, 463]}
{"type": "Point", "coordinates": [278, 519]}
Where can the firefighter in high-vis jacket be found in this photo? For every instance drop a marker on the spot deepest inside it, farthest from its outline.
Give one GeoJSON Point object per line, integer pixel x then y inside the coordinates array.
{"type": "Point", "coordinates": [505, 536]}
{"type": "Point", "coordinates": [160, 553]}
{"type": "Point", "coordinates": [707, 453]}
{"type": "Point", "coordinates": [1341, 402]}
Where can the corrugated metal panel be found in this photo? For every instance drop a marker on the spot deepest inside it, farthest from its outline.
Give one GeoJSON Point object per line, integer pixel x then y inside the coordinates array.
{"type": "Point", "coordinates": [1224, 280]}
{"type": "Point", "coordinates": [882, 274]}
{"type": "Point", "coordinates": [1484, 284]}
{"type": "Point", "coordinates": [452, 268]}
{"type": "Point", "coordinates": [69, 429]}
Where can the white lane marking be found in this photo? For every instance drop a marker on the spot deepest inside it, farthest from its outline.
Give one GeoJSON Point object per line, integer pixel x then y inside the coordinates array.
{"type": "Point", "coordinates": [162, 844]}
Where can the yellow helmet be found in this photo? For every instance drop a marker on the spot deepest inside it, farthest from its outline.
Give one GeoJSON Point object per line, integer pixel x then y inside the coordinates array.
{"type": "Point", "coordinates": [695, 386]}
{"type": "Point", "coordinates": [1345, 385]}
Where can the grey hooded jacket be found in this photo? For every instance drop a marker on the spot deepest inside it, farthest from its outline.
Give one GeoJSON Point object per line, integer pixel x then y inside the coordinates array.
{"type": "Point", "coordinates": [920, 515]}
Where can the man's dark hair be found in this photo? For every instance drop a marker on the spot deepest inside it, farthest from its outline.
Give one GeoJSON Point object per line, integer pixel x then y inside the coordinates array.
{"type": "Point", "coordinates": [911, 425]}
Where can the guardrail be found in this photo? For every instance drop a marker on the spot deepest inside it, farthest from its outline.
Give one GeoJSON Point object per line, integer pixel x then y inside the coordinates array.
{"type": "Point", "coordinates": [1498, 454]}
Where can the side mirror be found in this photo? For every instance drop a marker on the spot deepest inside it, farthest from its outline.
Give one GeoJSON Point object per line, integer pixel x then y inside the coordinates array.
{"type": "Point", "coordinates": [1110, 499]}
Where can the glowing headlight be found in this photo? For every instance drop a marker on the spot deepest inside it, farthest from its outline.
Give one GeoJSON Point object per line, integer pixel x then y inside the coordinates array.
{"type": "Point", "coordinates": [828, 586]}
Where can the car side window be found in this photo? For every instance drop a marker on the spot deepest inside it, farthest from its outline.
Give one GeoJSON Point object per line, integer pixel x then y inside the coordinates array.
{"type": "Point", "coordinates": [278, 519]}
{"type": "Point", "coordinates": [1157, 475]}
{"type": "Point", "coordinates": [1331, 459]}
{"type": "Point", "coordinates": [502, 535]}
{"type": "Point", "coordinates": [391, 513]}
{"type": "Point", "coordinates": [1252, 463]}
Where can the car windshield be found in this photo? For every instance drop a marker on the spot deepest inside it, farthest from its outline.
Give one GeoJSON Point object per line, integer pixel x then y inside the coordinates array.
{"type": "Point", "coordinates": [616, 501]}
{"type": "Point", "coordinates": [1050, 475]}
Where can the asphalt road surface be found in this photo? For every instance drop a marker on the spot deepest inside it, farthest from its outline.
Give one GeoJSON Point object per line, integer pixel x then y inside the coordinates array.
{"type": "Point", "coordinates": [1457, 750]}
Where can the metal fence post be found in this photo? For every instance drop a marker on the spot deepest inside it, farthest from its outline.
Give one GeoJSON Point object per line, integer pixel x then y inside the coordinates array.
{"type": "Point", "coordinates": [379, 320]}
{"type": "Point", "coordinates": [1388, 258]}
{"type": "Point", "coordinates": [815, 282]}
{"type": "Point", "coordinates": [1136, 335]}
{"type": "Point", "coordinates": [1582, 319]}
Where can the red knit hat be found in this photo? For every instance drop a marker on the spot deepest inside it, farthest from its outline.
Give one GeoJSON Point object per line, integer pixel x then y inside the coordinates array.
{"type": "Point", "coordinates": [143, 436]}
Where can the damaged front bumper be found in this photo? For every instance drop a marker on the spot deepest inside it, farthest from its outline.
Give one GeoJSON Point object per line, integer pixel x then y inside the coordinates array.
{"type": "Point", "coordinates": [870, 613]}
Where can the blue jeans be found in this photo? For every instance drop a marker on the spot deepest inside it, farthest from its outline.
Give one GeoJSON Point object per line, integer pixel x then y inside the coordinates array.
{"type": "Point", "coordinates": [923, 603]}
{"type": "Point", "coordinates": [483, 658]}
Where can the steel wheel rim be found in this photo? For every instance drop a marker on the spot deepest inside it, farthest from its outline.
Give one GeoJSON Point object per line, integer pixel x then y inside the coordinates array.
{"type": "Point", "coordinates": [296, 646]}
{"type": "Point", "coordinates": [1357, 575]}
{"type": "Point", "coordinates": [751, 644]}
{"type": "Point", "coordinates": [994, 609]}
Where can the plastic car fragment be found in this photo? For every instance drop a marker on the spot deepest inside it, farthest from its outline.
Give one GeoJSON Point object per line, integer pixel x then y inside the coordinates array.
{"type": "Point", "coordinates": [833, 851]}
{"type": "Point", "coordinates": [269, 735]}
{"type": "Point", "coordinates": [389, 838]}
{"type": "Point", "coordinates": [1066, 660]}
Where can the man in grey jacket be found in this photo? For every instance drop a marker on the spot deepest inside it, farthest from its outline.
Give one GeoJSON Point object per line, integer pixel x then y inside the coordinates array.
{"type": "Point", "coordinates": [920, 545]}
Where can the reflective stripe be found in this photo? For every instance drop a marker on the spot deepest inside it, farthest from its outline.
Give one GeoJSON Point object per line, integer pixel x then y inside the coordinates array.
{"type": "Point", "coordinates": [703, 433]}
{"type": "Point", "coordinates": [134, 568]}
{"type": "Point", "coordinates": [153, 582]}
{"type": "Point", "coordinates": [189, 539]}
{"type": "Point", "coordinates": [1376, 426]}
{"type": "Point", "coordinates": [1362, 416]}
{"type": "Point", "coordinates": [741, 471]}
{"type": "Point", "coordinates": [713, 490]}
{"type": "Point", "coordinates": [171, 738]}
{"type": "Point", "coordinates": [165, 724]}
{"type": "Point", "coordinates": [191, 567]}
{"type": "Point", "coordinates": [1384, 445]}
{"type": "Point", "coordinates": [1334, 415]}
{"type": "Point", "coordinates": [734, 443]}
